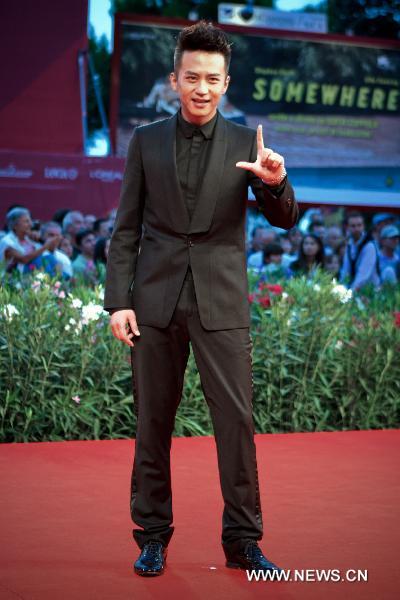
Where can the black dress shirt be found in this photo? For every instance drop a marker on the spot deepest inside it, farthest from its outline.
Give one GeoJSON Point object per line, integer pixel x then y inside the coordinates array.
{"type": "Point", "coordinates": [192, 150]}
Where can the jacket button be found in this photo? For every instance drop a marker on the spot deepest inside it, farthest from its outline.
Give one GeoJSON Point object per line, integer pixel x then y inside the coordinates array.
{"type": "Point", "coordinates": [190, 242]}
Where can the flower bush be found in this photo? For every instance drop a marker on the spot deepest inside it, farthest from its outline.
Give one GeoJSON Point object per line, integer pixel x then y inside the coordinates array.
{"type": "Point", "coordinates": [322, 360]}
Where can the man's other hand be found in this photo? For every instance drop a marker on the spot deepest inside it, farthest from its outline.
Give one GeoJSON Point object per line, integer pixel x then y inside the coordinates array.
{"type": "Point", "coordinates": [122, 322]}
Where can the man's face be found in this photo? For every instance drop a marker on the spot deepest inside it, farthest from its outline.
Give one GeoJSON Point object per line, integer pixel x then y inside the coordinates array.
{"type": "Point", "coordinates": [89, 221]}
{"type": "Point", "coordinates": [52, 232]}
{"type": "Point", "coordinates": [390, 243]}
{"type": "Point", "coordinates": [295, 236]}
{"type": "Point", "coordinates": [275, 259]}
{"type": "Point", "coordinates": [200, 82]}
{"type": "Point", "coordinates": [262, 237]}
{"type": "Point", "coordinates": [104, 229]}
{"type": "Point", "coordinates": [319, 230]}
{"type": "Point", "coordinates": [334, 237]}
{"type": "Point", "coordinates": [78, 223]}
{"type": "Point", "coordinates": [355, 227]}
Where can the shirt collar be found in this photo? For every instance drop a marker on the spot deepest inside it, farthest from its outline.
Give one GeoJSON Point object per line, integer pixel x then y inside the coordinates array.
{"type": "Point", "coordinates": [358, 242]}
{"type": "Point", "coordinates": [188, 129]}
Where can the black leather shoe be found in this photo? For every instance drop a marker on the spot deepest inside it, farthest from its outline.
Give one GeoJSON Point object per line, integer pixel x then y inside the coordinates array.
{"type": "Point", "coordinates": [152, 559]}
{"type": "Point", "coordinates": [250, 557]}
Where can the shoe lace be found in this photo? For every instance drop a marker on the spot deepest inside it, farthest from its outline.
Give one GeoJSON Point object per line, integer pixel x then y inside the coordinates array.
{"type": "Point", "coordinates": [153, 548]}
{"type": "Point", "coordinates": [253, 550]}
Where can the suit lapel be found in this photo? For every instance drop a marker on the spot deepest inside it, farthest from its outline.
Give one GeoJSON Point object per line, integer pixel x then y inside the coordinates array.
{"type": "Point", "coordinates": [178, 213]}
{"type": "Point", "coordinates": [209, 188]}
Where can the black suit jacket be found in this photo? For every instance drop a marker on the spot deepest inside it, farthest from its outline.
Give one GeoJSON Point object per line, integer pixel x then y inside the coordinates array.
{"type": "Point", "coordinates": [154, 240]}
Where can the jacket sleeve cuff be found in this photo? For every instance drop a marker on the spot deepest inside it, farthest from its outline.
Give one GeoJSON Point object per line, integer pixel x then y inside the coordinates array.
{"type": "Point", "coordinates": [276, 190]}
{"type": "Point", "coordinates": [113, 310]}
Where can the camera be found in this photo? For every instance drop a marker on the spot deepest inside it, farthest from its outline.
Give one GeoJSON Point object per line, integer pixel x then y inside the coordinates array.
{"type": "Point", "coordinates": [248, 11]}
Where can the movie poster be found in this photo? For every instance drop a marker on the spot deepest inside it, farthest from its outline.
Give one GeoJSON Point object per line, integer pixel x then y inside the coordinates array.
{"type": "Point", "coordinates": [331, 109]}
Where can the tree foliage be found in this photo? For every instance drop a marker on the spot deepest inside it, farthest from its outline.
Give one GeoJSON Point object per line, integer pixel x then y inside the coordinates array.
{"type": "Point", "coordinates": [98, 49]}
{"type": "Point", "coordinates": [368, 18]}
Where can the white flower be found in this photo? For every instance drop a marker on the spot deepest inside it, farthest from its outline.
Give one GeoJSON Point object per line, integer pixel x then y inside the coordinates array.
{"type": "Point", "coordinates": [284, 295]}
{"type": "Point", "coordinates": [9, 311]}
{"type": "Point", "coordinates": [77, 303]}
{"type": "Point", "coordinates": [342, 292]}
{"type": "Point", "coordinates": [317, 287]}
{"type": "Point", "coordinates": [78, 326]}
{"type": "Point", "coordinates": [339, 345]}
{"type": "Point", "coordinates": [289, 322]}
{"type": "Point", "coordinates": [92, 311]}
{"type": "Point", "coordinates": [40, 276]}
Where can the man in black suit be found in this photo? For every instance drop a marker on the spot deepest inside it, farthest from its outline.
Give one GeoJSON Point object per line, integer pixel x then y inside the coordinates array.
{"type": "Point", "coordinates": [183, 205]}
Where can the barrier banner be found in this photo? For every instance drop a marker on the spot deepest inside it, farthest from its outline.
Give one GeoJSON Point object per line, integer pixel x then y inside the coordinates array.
{"type": "Point", "coordinates": [47, 182]}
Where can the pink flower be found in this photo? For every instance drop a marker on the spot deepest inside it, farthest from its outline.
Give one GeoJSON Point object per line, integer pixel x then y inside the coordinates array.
{"type": "Point", "coordinates": [265, 301]}
{"type": "Point", "coordinates": [76, 399]}
{"type": "Point", "coordinates": [274, 288]}
{"type": "Point", "coordinates": [397, 318]}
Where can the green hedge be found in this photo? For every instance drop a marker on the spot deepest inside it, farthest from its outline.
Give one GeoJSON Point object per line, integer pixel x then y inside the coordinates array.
{"type": "Point", "coordinates": [321, 361]}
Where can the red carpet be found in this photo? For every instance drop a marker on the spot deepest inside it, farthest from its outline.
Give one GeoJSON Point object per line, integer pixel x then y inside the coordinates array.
{"type": "Point", "coordinates": [330, 501]}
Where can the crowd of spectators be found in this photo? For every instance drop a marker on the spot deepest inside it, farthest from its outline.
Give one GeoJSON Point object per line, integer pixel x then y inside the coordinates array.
{"type": "Point", "coordinates": [332, 241]}
{"type": "Point", "coordinates": [74, 246]}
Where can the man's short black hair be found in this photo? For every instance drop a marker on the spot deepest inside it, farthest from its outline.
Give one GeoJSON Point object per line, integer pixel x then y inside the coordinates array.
{"type": "Point", "coordinates": [354, 214]}
{"type": "Point", "coordinates": [202, 36]}
{"type": "Point", "coordinates": [272, 248]}
{"type": "Point", "coordinates": [97, 224]}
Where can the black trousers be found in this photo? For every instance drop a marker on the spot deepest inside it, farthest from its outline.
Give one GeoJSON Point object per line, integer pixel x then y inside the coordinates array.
{"type": "Point", "coordinates": [223, 358]}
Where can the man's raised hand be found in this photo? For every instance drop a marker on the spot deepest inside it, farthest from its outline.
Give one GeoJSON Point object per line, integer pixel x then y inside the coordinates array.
{"type": "Point", "coordinates": [269, 165]}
